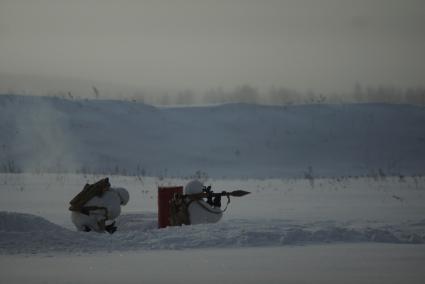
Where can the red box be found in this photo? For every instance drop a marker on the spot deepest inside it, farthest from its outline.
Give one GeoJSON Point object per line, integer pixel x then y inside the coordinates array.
{"type": "Point", "coordinates": [165, 194]}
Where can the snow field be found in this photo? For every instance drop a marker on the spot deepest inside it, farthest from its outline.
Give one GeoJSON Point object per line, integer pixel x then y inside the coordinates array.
{"type": "Point", "coordinates": [35, 219]}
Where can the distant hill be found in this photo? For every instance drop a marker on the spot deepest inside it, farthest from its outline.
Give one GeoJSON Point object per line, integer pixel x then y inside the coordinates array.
{"type": "Point", "coordinates": [45, 134]}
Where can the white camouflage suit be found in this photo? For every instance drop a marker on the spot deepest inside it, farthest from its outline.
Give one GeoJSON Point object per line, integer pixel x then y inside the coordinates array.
{"type": "Point", "coordinates": [112, 200]}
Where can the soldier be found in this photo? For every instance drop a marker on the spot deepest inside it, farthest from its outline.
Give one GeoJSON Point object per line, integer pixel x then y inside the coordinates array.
{"type": "Point", "coordinates": [97, 206]}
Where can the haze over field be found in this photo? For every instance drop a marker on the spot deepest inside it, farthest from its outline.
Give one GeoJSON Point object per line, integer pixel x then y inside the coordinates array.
{"type": "Point", "coordinates": [127, 48]}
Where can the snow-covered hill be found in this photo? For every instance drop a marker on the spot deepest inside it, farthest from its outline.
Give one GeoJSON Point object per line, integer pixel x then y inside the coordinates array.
{"type": "Point", "coordinates": [40, 134]}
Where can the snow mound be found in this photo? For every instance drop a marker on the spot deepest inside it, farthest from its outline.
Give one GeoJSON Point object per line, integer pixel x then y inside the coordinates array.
{"type": "Point", "coordinates": [20, 222]}
{"type": "Point", "coordinates": [29, 234]}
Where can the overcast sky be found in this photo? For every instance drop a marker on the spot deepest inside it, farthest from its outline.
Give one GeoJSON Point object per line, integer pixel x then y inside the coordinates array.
{"type": "Point", "coordinates": [322, 45]}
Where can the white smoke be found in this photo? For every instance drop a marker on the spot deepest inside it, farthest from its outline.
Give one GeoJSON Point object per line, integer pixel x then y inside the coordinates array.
{"type": "Point", "coordinates": [44, 139]}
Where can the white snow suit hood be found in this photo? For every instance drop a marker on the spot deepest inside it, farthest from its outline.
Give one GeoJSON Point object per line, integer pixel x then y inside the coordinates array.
{"type": "Point", "coordinates": [193, 187]}
{"type": "Point", "coordinates": [123, 194]}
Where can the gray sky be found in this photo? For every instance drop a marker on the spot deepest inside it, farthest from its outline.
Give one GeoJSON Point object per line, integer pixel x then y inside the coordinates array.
{"type": "Point", "coordinates": [322, 45]}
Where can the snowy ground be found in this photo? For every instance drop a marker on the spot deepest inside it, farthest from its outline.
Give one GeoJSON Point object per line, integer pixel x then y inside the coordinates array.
{"type": "Point", "coordinates": [294, 231]}
{"type": "Point", "coordinates": [340, 263]}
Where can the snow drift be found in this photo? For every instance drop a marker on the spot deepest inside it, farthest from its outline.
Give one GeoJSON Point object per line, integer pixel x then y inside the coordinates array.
{"type": "Point", "coordinates": [30, 234]}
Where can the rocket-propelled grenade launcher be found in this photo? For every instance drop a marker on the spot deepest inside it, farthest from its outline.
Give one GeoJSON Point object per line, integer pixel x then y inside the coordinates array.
{"type": "Point", "coordinates": [213, 198]}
